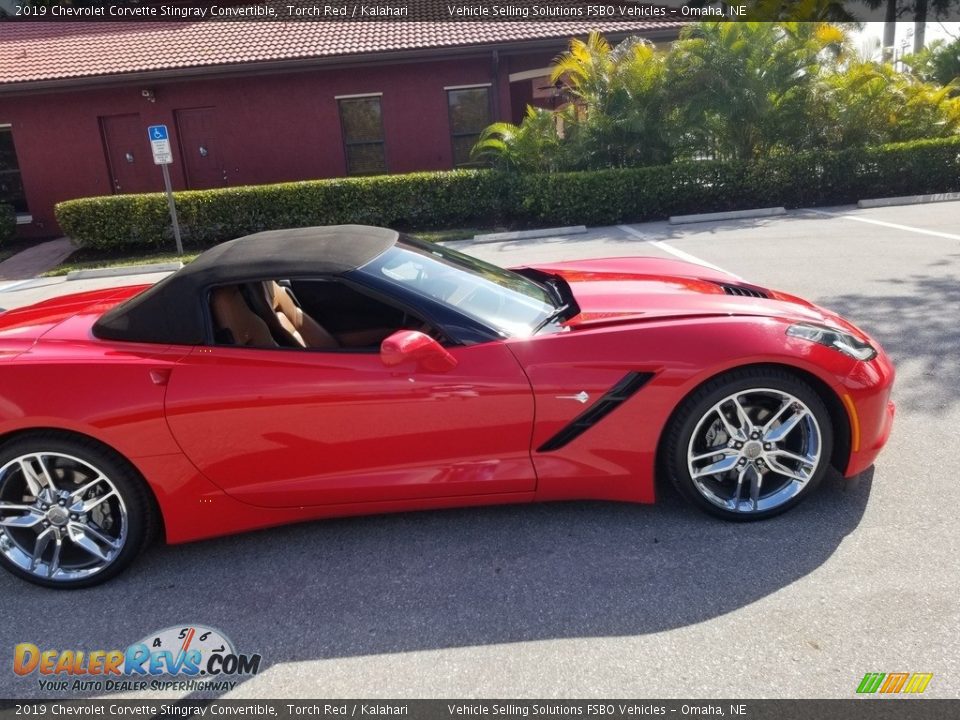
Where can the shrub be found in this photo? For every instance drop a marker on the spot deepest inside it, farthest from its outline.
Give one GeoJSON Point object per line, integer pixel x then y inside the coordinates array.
{"type": "Point", "coordinates": [799, 180]}
{"type": "Point", "coordinates": [422, 200]}
{"type": "Point", "coordinates": [729, 90]}
{"type": "Point", "coordinates": [8, 222]}
{"type": "Point", "coordinates": [451, 199]}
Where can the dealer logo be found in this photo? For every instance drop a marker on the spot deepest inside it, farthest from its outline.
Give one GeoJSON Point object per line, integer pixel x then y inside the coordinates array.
{"type": "Point", "coordinates": [894, 683]}
{"type": "Point", "coordinates": [185, 652]}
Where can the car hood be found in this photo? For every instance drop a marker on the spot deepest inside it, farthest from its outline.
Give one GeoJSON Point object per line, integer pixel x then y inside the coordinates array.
{"type": "Point", "coordinates": [638, 289]}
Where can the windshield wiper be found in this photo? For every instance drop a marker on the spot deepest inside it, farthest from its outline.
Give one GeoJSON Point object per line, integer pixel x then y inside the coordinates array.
{"type": "Point", "coordinates": [557, 312]}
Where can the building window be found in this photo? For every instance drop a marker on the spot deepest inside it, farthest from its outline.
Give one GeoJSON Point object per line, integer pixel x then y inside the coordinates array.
{"type": "Point", "coordinates": [361, 121]}
{"type": "Point", "coordinates": [11, 188]}
{"type": "Point", "coordinates": [469, 115]}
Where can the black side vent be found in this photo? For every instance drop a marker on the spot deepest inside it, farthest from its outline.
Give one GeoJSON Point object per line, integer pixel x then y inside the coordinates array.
{"type": "Point", "coordinates": [743, 291]}
{"type": "Point", "coordinates": [611, 400]}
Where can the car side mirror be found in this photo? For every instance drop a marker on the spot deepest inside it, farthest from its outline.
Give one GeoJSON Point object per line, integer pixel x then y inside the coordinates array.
{"type": "Point", "coordinates": [413, 346]}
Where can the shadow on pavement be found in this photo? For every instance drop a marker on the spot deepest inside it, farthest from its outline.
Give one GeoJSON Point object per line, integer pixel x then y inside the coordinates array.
{"type": "Point", "coordinates": [619, 241]}
{"type": "Point", "coordinates": [916, 322]}
{"type": "Point", "coordinates": [432, 580]}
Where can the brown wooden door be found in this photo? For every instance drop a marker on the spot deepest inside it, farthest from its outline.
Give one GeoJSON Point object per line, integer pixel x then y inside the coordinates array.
{"type": "Point", "coordinates": [128, 155]}
{"type": "Point", "coordinates": [202, 163]}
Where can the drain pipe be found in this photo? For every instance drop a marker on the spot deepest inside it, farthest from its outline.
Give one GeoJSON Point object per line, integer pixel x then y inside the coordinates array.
{"type": "Point", "coordinates": [495, 69]}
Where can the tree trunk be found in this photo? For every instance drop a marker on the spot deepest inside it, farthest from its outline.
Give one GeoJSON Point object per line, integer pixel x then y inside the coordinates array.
{"type": "Point", "coordinates": [889, 30]}
{"type": "Point", "coordinates": [919, 25]}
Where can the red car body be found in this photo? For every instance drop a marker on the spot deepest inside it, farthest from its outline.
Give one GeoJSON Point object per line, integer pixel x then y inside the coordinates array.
{"type": "Point", "coordinates": [231, 439]}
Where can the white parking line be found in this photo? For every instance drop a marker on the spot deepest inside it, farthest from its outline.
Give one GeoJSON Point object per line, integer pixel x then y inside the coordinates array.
{"type": "Point", "coordinates": [672, 250]}
{"type": "Point", "coordinates": [895, 226]}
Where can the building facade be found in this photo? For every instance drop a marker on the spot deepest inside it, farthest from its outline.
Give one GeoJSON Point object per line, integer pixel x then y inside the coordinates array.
{"type": "Point", "coordinates": [249, 105]}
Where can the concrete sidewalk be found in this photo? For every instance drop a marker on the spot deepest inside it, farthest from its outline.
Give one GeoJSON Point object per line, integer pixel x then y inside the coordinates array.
{"type": "Point", "coordinates": [36, 260]}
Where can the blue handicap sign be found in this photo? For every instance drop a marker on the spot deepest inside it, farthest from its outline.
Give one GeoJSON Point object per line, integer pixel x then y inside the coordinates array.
{"type": "Point", "coordinates": [157, 132]}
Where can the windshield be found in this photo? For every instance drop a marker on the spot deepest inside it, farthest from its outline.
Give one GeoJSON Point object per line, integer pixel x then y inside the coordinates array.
{"type": "Point", "coordinates": [498, 298]}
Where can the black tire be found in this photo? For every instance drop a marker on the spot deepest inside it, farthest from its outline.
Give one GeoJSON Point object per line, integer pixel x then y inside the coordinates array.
{"type": "Point", "coordinates": [139, 522]}
{"type": "Point", "coordinates": [699, 406]}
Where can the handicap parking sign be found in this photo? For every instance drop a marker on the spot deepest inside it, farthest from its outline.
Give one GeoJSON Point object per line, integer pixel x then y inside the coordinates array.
{"type": "Point", "coordinates": [160, 144]}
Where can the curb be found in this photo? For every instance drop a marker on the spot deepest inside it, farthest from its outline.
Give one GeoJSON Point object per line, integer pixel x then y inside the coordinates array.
{"type": "Point", "coordinates": [124, 270]}
{"type": "Point", "coordinates": [730, 215]}
{"type": "Point", "coordinates": [908, 200]}
{"type": "Point", "coordinates": [530, 234]}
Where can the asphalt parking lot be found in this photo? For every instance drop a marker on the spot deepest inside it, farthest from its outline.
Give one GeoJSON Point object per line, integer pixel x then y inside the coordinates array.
{"type": "Point", "coordinates": [600, 599]}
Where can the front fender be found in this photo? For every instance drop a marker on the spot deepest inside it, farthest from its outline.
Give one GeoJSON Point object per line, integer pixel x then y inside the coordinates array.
{"type": "Point", "coordinates": [615, 458]}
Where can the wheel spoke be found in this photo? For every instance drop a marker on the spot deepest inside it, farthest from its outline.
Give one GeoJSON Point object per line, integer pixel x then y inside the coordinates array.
{"type": "Point", "coordinates": [40, 546]}
{"type": "Point", "coordinates": [78, 494]}
{"type": "Point", "coordinates": [34, 480]}
{"type": "Point", "coordinates": [745, 425]}
{"type": "Point", "coordinates": [31, 518]}
{"type": "Point", "coordinates": [99, 536]}
{"type": "Point", "coordinates": [781, 431]}
{"type": "Point", "coordinates": [713, 453]}
{"type": "Point", "coordinates": [810, 460]}
{"type": "Point", "coordinates": [755, 482]}
{"type": "Point", "coordinates": [47, 475]}
{"type": "Point", "coordinates": [55, 560]}
{"type": "Point", "coordinates": [787, 402]}
{"type": "Point", "coordinates": [87, 538]}
{"type": "Point", "coordinates": [736, 493]}
{"type": "Point", "coordinates": [721, 466]}
{"type": "Point", "coordinates": [16, 507]}
{"type": "Point", "coordinates": [782, 469]}
{"type": "Point", "coordinates": [86, 506]}
{"type": "Point", "coordinates": [732, 432]}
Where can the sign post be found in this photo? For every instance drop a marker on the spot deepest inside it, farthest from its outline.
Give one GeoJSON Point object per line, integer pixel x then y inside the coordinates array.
{"type": "Point", "coordinates": [163, 156]}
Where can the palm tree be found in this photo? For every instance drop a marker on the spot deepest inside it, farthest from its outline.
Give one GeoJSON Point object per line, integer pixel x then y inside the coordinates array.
{"type": "Point", "coordinates": [535, 145]}
{"type": "Point", "coordinates": [870, 103]}
{"type": "Point", "coordinates": [744, 88]}
{"type": "Point", "coordinates": [938, 62]}
{"type": "Point", "coordinates": [620, 95]}
{"type": "Point", "coordinates": [734, 90]}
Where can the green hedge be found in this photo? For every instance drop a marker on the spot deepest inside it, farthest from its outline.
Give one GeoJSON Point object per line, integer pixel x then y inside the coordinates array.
{"type": "Point", "coordinates": [463, 197]}
{"type": "Point", "coordinates": [418, 200]}
{"type": "Point", "coordinates": [800, 180]}
{"type": "Point", "coordinates": [8, 222]}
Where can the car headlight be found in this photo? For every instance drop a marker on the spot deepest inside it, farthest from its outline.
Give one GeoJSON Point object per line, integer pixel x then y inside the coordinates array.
{"type": "Point", "coordinates": [845, 342]}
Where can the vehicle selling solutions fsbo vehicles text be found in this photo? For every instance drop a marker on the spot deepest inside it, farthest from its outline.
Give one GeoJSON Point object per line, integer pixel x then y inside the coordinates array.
{"type": "Point", "coordinates": [544, 11]}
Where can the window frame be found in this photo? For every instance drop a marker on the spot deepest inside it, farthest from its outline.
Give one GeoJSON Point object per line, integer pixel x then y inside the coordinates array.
{"type": "Point", "coordinates": [340, 99]}
{"type": "Point", "coordinates": [25, 211]}
{"type": "Point", "coordinates": [455, 135]}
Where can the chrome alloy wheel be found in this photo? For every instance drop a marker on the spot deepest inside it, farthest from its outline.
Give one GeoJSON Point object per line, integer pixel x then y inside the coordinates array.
{"type": "Point", "coordinates": [61, 518]}
{"type": "Point", "coordinates": [754, 450]}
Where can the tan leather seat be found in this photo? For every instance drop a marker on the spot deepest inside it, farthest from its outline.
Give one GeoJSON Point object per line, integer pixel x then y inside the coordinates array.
{"type": "Point", "coordinates": [230, 312]}
{"type": "Point", "coordinates": [302, 328]}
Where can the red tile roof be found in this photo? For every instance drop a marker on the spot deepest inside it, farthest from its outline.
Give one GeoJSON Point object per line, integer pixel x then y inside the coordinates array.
{"type": "Point", "coordinates": [37, 51]}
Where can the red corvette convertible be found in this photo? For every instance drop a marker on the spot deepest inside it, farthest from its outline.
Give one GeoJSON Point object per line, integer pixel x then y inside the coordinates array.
{"type": "Point", "coordinates": [333, 371]}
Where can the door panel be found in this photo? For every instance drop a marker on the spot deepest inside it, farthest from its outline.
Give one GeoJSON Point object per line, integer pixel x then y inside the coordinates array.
{"type": "Point", "coordinates": [129, 158]}
{"type": "Point", "coordinates": [199, 148]}
{"type": "Point", "coordinates": [287, 428]}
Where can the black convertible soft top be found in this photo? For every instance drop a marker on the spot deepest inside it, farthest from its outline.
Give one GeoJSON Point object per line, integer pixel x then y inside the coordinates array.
{"type": "Point", "coordinates": [172, 311]}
